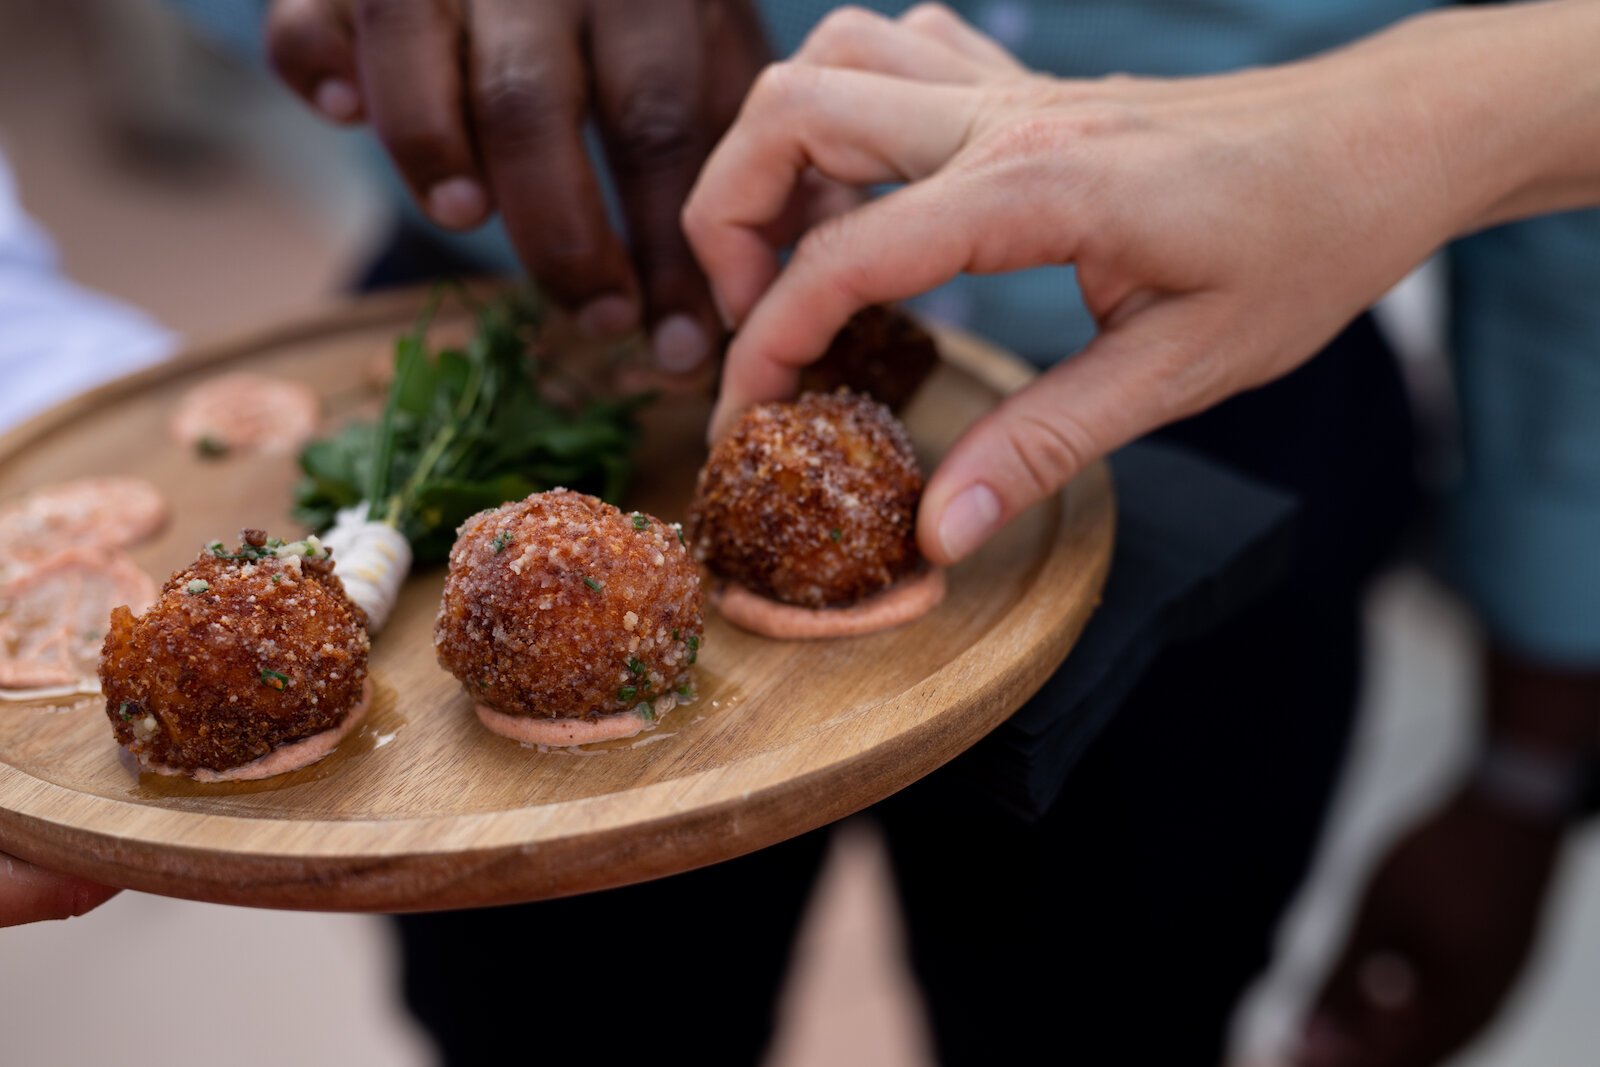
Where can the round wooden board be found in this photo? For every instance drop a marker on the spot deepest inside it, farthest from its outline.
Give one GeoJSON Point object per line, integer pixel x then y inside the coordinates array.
{"type": "Point", "coordinates": [425, 809]}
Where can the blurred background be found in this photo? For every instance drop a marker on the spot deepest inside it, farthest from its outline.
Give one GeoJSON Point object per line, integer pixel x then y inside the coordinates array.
{"type": "Point", "coordinates": [185, 182]}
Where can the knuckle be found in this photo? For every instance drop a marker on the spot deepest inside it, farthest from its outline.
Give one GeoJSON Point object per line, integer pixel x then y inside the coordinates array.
{"type": "Point", "coordinates": [781, 86]}
{"type": "Point", "coordinates": [838, 30]}
{"type": "Point", "coordinates": [518, 106]}
{"type": "Point", "coordinates": [1051, 132]}
{"type": "Point", "coordinates": [695, 222]}
{"type": "Point", "coordinates": [1046, 448]}
{"type": "Point", "coordinates": [656, 129]}
{"type": "Point", "coordinates": [926, 15]}
{"type": "Point", "coordinates": [296, 38]}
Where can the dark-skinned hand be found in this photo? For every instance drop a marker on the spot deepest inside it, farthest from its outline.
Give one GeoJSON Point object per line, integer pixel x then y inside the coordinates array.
{"type": "Point", "coordinates": [1443, 931]}
{"type": "Point", "coordinates": [482, 104]}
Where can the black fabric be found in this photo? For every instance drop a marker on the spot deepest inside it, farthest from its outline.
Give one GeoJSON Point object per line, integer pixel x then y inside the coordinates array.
{"type": "Point", "coordinates": [682, 970]}
{"type": "Point", "coordinates": [1118, 928]}
{"type": "Point", "coordinates": [1122, 927]}
{"type": "Point", "coordinates": [1195, 545]}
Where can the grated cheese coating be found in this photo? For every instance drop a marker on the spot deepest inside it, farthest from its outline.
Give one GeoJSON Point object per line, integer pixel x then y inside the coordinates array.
{"type": "Point", "coordinates": [542, 627]}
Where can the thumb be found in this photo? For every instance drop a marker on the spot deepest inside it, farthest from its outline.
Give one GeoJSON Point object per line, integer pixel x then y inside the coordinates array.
{"type": "Point", "coordinates": [31, 894]}
{"type": "Point", "coordinates": [1153, 366]}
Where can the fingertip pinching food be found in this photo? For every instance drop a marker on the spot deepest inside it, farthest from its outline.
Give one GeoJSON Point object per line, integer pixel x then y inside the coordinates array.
{"type": "Point", "coordinates": [806, 512]}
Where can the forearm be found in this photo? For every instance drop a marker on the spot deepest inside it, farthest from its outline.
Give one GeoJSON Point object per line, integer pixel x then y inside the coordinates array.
{"type": "Point", "coordinates": [1508, 98]}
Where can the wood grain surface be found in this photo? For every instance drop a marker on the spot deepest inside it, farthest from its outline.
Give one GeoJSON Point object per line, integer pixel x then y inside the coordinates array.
{"type": "Point", "coordinates": [423, 808]}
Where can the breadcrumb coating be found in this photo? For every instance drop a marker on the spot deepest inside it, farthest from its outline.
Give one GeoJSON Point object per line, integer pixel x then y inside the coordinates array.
{"type": "Point", "coordinates": [810, 502]}
{"type": "Point", "coordinates": [242, 652]}
{"type": "Point", "coordinates": [562, 606]}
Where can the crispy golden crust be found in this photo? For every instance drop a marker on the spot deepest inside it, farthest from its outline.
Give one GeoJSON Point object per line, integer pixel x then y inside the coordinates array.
{"type": "Point", "coordinates": [562, 606]}
{"type": "Point", "coordinates": [881, 352]}
{"type": "Point", "coordinates": [195, 681]}
{"type": "Point", "coordinates": [811, 502]}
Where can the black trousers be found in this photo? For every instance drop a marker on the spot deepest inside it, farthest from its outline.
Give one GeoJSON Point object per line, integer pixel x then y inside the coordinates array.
{"type": "Point", "coordinates": [1120, 929]}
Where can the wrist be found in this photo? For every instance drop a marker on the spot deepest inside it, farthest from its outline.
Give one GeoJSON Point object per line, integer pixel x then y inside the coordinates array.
{"type": "Point", "coordinates": [1506, 99]}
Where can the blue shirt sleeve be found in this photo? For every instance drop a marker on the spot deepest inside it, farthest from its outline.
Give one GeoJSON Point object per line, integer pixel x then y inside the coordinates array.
{"type": "Point", "coordinates": [1523, 526]}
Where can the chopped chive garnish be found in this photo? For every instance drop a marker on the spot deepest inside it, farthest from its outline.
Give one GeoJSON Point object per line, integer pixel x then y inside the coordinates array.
{"type": "Point", "coordinates": [836, 533]}
{"type": "Point", "coordinates": [592, 584]}
{"type": "Point", "coordinates": [214, 547]}
{"type": "Point", "coordinates": [690, 660]}
{"type": "Point", "coordinates": [639, 521]}
{"type": "Point", "coordinates": [674, 633]}
{"type": "Point", "coordinates": [501, 540]}
{"type": "Point", "coordinates": [274, 680]}
{"type": "Point", "coordinates": [694, 642]}
{"type": "Point", "coordinates": [681, 541]}
{"type": "Point", "coordinates": [684, 690]}
{"type": "Point", "coordinates": [276, 578]}
{"type": "Point", "coordinates": [627, 693]}
{"type": "Point", "coordinates": [198, 586]}
{"type": "Point", "coordinates": [635, 665]}
{"type": "Point", "coordinates": [122, 711]}
{"type": "Point", "coordinates": [648, 712]}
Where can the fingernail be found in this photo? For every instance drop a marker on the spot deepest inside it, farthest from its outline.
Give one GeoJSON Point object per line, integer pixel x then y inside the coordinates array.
{"type": "Point", "coordinates": [337, 99]}
{"type": "Point", "coordinates": [680, 344]}
{"type": "Point", "coordinates": [457, 203]}
{"type": "Point", "coordinates": [968, 520]}
{"type": "Point", "coordinates": [608, 318]}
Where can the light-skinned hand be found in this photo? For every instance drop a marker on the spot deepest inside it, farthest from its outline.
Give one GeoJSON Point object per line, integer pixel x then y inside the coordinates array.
{"type": "Point", "coordinates": [1223, 228]}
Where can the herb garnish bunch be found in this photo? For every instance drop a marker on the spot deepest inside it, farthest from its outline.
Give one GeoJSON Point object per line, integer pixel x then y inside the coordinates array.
{"type": "Point", "coordinates": [463, 429]}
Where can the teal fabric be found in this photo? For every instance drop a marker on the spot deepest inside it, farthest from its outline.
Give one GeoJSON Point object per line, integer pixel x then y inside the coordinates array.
{"type": "Point", "coordinates": [1524, 525]}
{"type": "Point", "coordinates": [1524, 528]}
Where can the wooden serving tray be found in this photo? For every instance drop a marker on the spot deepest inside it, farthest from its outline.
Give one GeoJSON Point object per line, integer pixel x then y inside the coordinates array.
{"type": "Point", "coordinates": [423, 808]}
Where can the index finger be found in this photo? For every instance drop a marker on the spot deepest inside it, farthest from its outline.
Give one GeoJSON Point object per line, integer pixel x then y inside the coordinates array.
{"type": "Point", "coordinates": [529, 96]}
{"type": "Point", "coordinates": [853, 126]}
{"type": "Point", "coordinates": [859, 258]}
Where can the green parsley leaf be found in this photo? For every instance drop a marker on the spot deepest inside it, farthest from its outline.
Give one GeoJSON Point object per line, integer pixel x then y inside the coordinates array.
{"type": "Point", "coordinates": [501, 540]}
{"type": "Point", "coordinates": [470, 427]}
{"type": "Point", "coordinates": [274, 680]}
{"type": "Point", "coordinates": [592, 584]}
{"type": "Point", "coordinates": [639, 521]}
{"type": "Point", "coordinates": [627, 693]}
